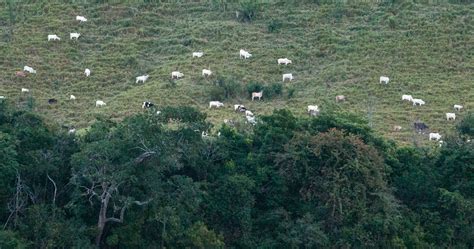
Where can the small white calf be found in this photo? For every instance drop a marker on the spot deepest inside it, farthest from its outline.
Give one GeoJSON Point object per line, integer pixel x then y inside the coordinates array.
{"type": "Point", "coordinates": [53, 37]}
{"type": "Point", "coordinates": [397, 128]}
{"type": "Point", "coordinates": [244, 54]}
{"type": "Point", "coordinates": [407, 97]}
{"type": "Point", "coordinates": [215, 104]}
{"type": "Point", "coordinates": [248, 113]}
{"type": "Point", "coordinates": [25, 90]}
{"type": "Point", "coordinates": [29, 69]}
{"type": "Point", "coordinates": [340, 98]}
{"type": "Point", "coordinates": [287, 76]}
{"type": "Point", "coordinates": [74, 36]}
{"type": "Point", "coordinates": [458, 107]}
{"type": "Point", "coordinates": [450, 116]}
{"type": "Point", "coordinates": [198, 54]}
{"type": "Point", "coordinates": [313, 108]}
{"type": "Point", "coordinates": [257, 95]}
{"type": "Point", "coordinates": [238, 107]}
{"type": "Point", "coordinates": [100, 103]}
{"type": "Point", "coordinates": [71, 131]}
{"type": "Point", "coordinates": [284, 61]}
{"type": "Point", "coordinates": [435, 136]}
{"type": "Point", "coordinates": [87, 72]}
{"type": "Point", "coordinates": [72, 97]}
{"type": "Point", "coordinates": [81, 19]}
{"type": "Point", "coordinates": [418, 102]}
{"type": "Point", "coordinates": [176, 74]}
{"type": "Point", "coordinates": [142, 78]}
{"type": "Point", "coordinates": [384, 79]}
{"type": "Point", "coordinates": [206, 72]}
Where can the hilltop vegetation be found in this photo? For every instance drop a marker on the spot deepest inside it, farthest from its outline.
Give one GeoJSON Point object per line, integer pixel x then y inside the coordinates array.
{"type": "Point", "coordinates": [426, 50]}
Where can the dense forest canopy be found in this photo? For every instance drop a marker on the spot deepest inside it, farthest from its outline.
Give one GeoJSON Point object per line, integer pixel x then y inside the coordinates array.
{"type": "Point", "coordinates": [153, 181]}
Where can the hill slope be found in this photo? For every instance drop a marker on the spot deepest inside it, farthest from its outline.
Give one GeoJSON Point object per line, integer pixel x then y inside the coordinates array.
{"type": "Point", "coordinates": [426, 50]}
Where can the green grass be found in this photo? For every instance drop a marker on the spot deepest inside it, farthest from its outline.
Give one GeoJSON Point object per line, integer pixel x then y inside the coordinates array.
{"type": "Point", "coordinates": [427, 50]}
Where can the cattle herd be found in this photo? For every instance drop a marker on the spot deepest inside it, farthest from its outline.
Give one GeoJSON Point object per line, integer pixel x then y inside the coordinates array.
{"type": "Point", "coordinates": [313, 110]}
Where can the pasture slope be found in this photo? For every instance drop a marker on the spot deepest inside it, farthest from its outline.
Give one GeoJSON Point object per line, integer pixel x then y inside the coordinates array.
{"type": "Point", "coordinates": [427, 50]}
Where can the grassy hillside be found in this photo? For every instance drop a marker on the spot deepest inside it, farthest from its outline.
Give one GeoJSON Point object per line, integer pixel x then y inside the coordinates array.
{"type": "Point", "coordinates": [426, 50]}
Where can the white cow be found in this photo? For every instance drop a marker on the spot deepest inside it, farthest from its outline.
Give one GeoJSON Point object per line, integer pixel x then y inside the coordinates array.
{"type": "Point", "coordinates": [87, 72]}
{"type": "Point", "coordinates": [313, 108]}
{"type": "Point", "coordinates": [72, 97]}
{"type": "Point", "coordinates": [25, 90]}
{"type": "Point", "coordinates": [458, 107]}
{"type": "Point", "coordinates": [450, 116]}
{"type": "Point", "coordinates": [418, 102]}
{"type": "Point", "coordinates": [53, 37]}
{"type": "Point", "coordinates": [81, 19]}
{"type": "Point", "coordinates": [407, 97]}
{"type": "Point", "coordinates": [216, 104]}
{"type": "Point", "coordinates": [100, 103]}
{"type": "Point", "coordinates": [287, 76]}
{"type": "Point", "coordinates": [238, 107]}
{"type": "Point", "coordinates": [72, 131]}
{"type": "Point", "coordinates": [257, 95]}
{"type": "Point", "coordinates": [384, 79]}
{"type": "Point", "coordinates": [435, 136]}
{"type": "Point", "coordinates": [251, 120]}
{"type": "Point", "coordinates": [176, 74]}
{"type": "Point", "coordinates": [206, 72]}
{"type": "Point", "coordinates": [244, 54]}
{"type": "Point", "coordinates": [142, 78]}
{"type": "Point", "coordinates": [74, 35]}
{"type": "Point", "coordinates": [284, 61]}
{"type": "Point", "coordinates": [2, 97]}
{"type": "Point", "coordinates": [29, 69]}
{"type": "Point", "coordinates": [198, 54]}
{"type": "Point", "coordinates": [248, 113]}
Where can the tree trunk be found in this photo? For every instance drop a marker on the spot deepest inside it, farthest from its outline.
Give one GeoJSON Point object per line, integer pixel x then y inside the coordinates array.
{"type": "Point", "coordinates": [102, 216]}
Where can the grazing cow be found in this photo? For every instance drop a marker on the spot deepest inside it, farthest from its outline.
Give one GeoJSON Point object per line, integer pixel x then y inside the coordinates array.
{"type": "Point", "coordinates": [251, 120]}
{"type": "Point", "coordinates": [72, 131]}
{"type": "Point", "coordinates": [81, 19]}
{"type": "Point", "coordinates": [340, 98]}
{"type": "Point", "coordinates": [29, 69]}
{"type": "Point", "coordinates": [100, 103]}
{"type": "Point", "coordinates": [87, 72]}
{"type": "Point", "coordinates": [215, 104]}
{"type": "Point", "coordinates": [206, 72]}
{"type": "Point", "coordinates": [284, 61]}
{"type": "Point", "coordinates": [257, 95]}
{"type": "Point", "coordinates": [142, 78]}
{"type": "Point", "coordinates": [407, 97]}
{"type": "Point", "coordinates": [240, 108]}
{"type": "Point", "coordinates": [458, 107]}
{"type": "Point", "coordinates": [420, 126]}
{"type": "Point", "coordinates": [435, 136]}
{"type": "Point", "coordinates": [248, 113]}
{"type": "Point", "coordinates": [287, 76]}
{"type": "Point", "coordinates": [418, 102]}
{"type": "Point", "coordinates": [20, 74]}
{"type": "Point", "coordinates": [204, 134]}
{"type": "Point", "coordinates": [384, 79]}
{"type": "Point", "coordinates": [313, 110]}
{"type": "Point", "coordinates": [52, 101]}
{"type": "Point", "coordinates": [53, 37]}
{"type": "Point", "coordinates": [2, 97]}
{"type": "Point", "coordinates": [198, 54]}
{"type": "Point", "coordinates": [176, 74]}
{"type": "Point", "coordinates": [72, 97]}
{"type": "Point", "coordinates": [244, 54]}
{"type": "Point", "coordinates": [74, 36]}
{"type": "Point", "coordinates": [450, 116]}
{"type": "Point", "coordinates": [25, 90]}
{"type": "Point", "coordinates": [397, 128]}
{"type": "Point", "coordinates": [147, 104]}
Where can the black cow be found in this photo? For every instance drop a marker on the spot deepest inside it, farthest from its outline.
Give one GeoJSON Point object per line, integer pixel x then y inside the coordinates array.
{"type": "Point", "coordinates": [52, 101]}
{"type": "Point", "coordinates": [420, 126]}
{"type": "Point", "coordinates": [147, 104]}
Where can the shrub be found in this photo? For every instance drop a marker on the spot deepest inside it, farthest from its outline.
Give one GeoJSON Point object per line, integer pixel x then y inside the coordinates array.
{"type": "Point", "coordinates": [274, 26]}
{"type": "Point", "coordinates": [392, 23]}
{"type": "Point", "coordinates": [217, 93]}
{"type": "Point", "coordinates": [248, 10]}
{"type": "Point", "coordinates": [291, 92]}
{"type": "Point", "coordinates": [254, 87]}
{"type": "Point", "coordinates": [230, 88]}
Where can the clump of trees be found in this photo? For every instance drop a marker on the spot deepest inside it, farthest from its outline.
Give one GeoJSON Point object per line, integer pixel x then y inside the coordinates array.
{"type": "Point", "coordinates": [152, 181]}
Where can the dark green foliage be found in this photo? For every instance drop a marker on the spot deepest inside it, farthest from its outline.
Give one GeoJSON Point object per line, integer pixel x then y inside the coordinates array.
{"type": "Point", "coordinates": [466, 126]}
{"type": "Point", "coordinates": [152, 181]}
{"type": "Point", "coordinates": [248, 10]}
{"type": "Point", "coordinates": [274, 26]}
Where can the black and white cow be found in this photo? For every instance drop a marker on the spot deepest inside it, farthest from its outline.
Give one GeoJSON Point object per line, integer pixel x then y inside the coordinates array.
{"type": "Point", "coordinates": [147, 104]}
